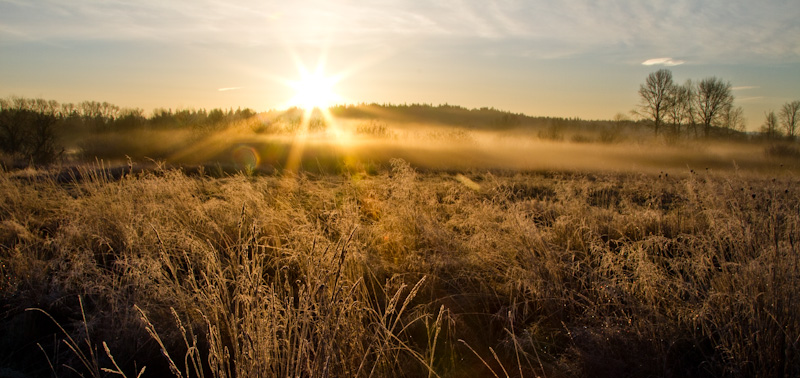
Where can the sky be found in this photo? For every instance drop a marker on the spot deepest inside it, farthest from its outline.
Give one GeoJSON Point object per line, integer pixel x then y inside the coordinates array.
{"type": "Point", "coordinates": [568, 58]}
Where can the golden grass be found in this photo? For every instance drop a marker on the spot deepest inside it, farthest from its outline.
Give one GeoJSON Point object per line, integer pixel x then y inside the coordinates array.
{"type": "Point", "coordinates": [401, 273]}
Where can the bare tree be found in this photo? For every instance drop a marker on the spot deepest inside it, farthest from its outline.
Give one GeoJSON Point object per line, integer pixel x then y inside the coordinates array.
{"type": "Point", "coordinates": [680, 106]}
{"type": "Point", "coordinates": [691, 109]}
{"type": "Point", "coordinates": [620, 118]}
{"type": "Point", "coordinates": [19, 103]}
{"type": "Point", "coordinates": [770, 126]}
{"type": "Point", "coordinates": [655, 93]}
{"type": "Point", "coordinates": [14, 122]}
{"type": "Point", "coordinates": [42, 139]}
{"type": "Point", "coordinates": [789, 117]}
{"type": "Point", "coordinates": [733, 118]}
{"type": "Point", "coordinates": [713, 98]}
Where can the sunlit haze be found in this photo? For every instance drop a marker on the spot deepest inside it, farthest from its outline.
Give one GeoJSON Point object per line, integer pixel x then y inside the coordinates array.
{"type": "Point", "coordinates": [566, 59]}
{"type": "Point", "coordinates": [313, 89]}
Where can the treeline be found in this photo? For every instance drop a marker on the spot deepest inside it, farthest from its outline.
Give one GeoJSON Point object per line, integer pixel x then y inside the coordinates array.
{"type": "Point", "coordinates": [444, 114]}
{"type": "Point", "coordinates": [783, 124]}
{"type": "Point", "coordinates": [453, 115]}
{"type": "Point", "coordinates": [37, 131]}
{"type": "Point", "coordinates": [704, 108]}
{"type": "Point", "coordinates": [693, 108]}
{"type": "Point", "coordinates": [31, 129]}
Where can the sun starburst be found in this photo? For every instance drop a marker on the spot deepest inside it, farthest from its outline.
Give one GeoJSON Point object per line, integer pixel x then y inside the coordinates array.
{"type": "Point", "coordinates": [314, 89]}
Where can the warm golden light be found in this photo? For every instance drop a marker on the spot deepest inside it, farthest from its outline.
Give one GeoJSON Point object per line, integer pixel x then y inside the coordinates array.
{"type": "Point", "coordinates": [313, 90]}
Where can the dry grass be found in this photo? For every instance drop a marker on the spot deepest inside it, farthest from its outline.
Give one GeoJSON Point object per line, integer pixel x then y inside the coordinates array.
{"type": "Point", "coordinates": [401, 274]}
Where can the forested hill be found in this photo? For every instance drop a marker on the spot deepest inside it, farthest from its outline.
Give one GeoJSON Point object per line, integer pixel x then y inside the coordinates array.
{"type": "Point", "coordinates": [453, 115]}
{"type": "Point", "coordinates": [42, 132]}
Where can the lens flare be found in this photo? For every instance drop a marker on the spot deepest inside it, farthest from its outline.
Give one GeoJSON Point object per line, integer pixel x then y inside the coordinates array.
{"type": "Point", "coordinates": [246, 157]}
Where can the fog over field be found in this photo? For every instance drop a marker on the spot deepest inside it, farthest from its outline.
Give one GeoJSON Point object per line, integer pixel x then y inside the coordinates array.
{"type": "Point", "coordinates": [267, 143]}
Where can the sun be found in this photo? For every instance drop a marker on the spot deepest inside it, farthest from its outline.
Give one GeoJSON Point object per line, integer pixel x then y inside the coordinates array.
{"type": "Point", "coordinates": [314, 90]}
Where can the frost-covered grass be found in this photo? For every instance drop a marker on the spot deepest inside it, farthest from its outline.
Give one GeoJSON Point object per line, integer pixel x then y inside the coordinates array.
{"type": "Point", "coordinates": [400, 273]}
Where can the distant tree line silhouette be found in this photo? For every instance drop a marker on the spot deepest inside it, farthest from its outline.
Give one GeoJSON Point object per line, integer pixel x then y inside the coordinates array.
{"type": "Point", "coordinates": [453, 115]}
{"type": "Point", "coordinates": [30, 128]}
{"type": "Point", "coordinates": [787, 119]}
{"type": "Point", "coordinates": [684, 108]}
{"type": "Point", "coordinates": [708, 105]}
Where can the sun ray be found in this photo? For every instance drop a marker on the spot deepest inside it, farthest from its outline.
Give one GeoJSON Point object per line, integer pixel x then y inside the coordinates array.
{"type": "Point", "coordinates": [314, 89]}
{"type": "Point", "coordinates": [314, 92]}
{"type": "Point", "coordinates": [298, 145]}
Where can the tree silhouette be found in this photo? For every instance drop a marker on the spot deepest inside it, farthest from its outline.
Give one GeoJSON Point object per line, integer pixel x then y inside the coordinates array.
{"type": "Point", "coordinates": [789, 117]}
{"type": "Point", "coordinates": [655, 96]}
{"type": "Point", "coordinates": [28, 131]}
{"type": "Point", "coordinates": [713, 98]}
{"type": "Point", "coordinates": [733, 118]}
{"type": "Point", "coordinates": [12, 127]}
{"type": "Point", "coordinates": [770, 126]}
{"type": "Point", "coordinates": [42, 142]}
{"type": "Point", "coordinates": [680, 110]}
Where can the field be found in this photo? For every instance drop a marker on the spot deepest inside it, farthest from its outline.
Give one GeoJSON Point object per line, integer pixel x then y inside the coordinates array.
{"type": "Point", "coordinates": [400, 270]}
{"type": "Point", "coordinates": [336, 189]}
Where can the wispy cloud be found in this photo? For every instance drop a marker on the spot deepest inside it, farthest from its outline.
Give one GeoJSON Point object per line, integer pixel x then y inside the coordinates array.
{"type": "Point", "coordinates": [743, 88]}
{"type": "Point", "coordinates": [750, 99]}
{"type": "Point", "coordinates": [669, 62]}
{"type": "Point", "coordinates": [229, 89]}
{"type": "Point", "coordinates": [720, 31]}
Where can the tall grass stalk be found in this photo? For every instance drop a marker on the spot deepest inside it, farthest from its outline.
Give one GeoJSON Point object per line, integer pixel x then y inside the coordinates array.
{"type": "Point", "coordinates": [400, 273]}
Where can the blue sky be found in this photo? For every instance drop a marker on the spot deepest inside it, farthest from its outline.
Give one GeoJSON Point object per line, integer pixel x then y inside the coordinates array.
{"type": "Point", "coordinates": [551, 58]}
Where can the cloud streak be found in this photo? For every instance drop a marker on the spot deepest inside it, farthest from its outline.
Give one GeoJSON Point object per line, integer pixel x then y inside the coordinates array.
{"type": "Point", "coordinates": [669, 62]}
{"type": "Point", "coordinates": [696, 29]}
{"type": "Point", "coordinates": [226, 89]}
{"type": "Point", "coordinates": [750, 99]}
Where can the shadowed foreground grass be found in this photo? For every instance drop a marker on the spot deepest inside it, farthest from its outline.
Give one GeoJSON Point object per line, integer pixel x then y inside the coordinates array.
{"type": "Point", "coordinates": [399, 274]}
